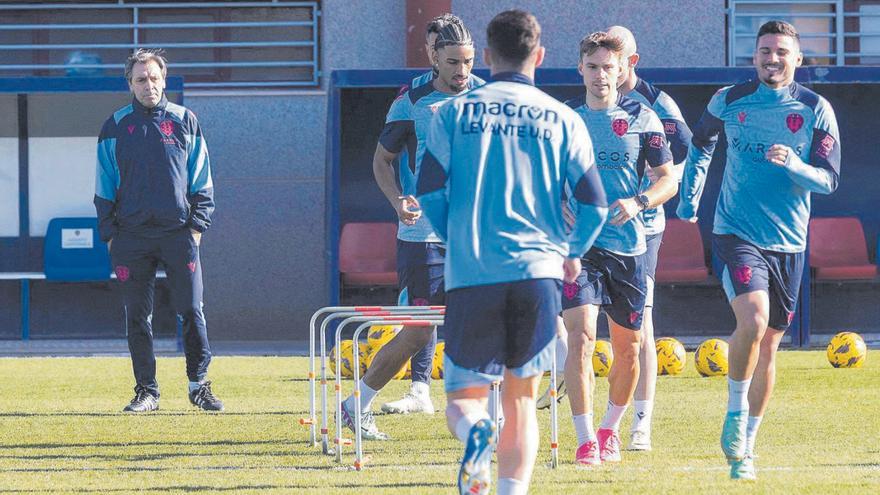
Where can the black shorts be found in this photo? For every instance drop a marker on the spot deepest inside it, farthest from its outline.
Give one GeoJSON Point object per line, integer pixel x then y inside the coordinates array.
{"type": "Point", "coordinates": [420, 273]}
{"type": "Point", "coordinates": [615, 282]}
{"type": "Point", "coordinates": [748, 268]}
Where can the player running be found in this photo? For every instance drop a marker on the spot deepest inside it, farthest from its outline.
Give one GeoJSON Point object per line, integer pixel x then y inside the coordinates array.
{"type": "Point", "coordinates": [497, 161]}
{"type": "Point", "coordinates": [679, 137]}
{"type": "Point", "coordinates": [421, 277]}
{"type": "Point", "coordinates": [420, 252]}
{"type": "Point", "coordinates": [782, 145]}
{"type": "Point", "coordinates": [627, 138]}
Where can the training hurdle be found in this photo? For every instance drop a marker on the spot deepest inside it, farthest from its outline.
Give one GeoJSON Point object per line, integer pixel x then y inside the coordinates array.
{"type": "Point", "coordinates": [331, 313]}
{"type": "Point", "coordinates": [358, 440]}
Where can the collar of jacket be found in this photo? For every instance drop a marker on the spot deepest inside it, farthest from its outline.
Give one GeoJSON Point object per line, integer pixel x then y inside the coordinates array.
{"type": "Point", "coordinates": [139, 108]}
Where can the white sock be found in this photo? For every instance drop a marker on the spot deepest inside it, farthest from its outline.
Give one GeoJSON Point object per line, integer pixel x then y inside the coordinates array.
{"type": "Point", "coordinates": [194, 385]}
{"type": "Point", "coordinates": [583, 427]}
{"type": "Point", "coordinates": [420, 388]}
{"type": "Point", "coordinates": [613, 415]}
{"type": "Point", "coordinates": [643, 409]}
{"type": "Point", "coordinates": [752, 432]}
{"type": "Point", "coordinates": [738, 395]}
{"type": "Point", "coordinates": [367, 396]}
{"type": "Point", "coordinates": [512, 486]}
{"type": "Point", "coordinates": [466, 422]}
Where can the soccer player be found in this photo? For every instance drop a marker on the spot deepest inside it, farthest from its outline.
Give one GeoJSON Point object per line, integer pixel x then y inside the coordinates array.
{"type": "Point", "coordinates": [431, 31]}
{"type": "Point", "coordinates": [627, 138]}
{"type": "Point", "coordinates": [491, 180]}
{"type": "Point", "coordinates": [678, 135]}
{"type": "Point", "coordinates": [418, 272]}
{"type": "Point", "coordinates": [782, 145]}
{"type": "Point", "coordinates": [420, 252]}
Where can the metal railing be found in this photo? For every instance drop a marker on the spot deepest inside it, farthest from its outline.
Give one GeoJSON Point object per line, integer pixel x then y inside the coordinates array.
{"type": "Point", "coordinates": [844, 29]}
{"type": "Point", "coordinates": [233, 44]}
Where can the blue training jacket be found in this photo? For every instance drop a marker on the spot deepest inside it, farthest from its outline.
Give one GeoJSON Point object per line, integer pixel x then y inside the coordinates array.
{"type": "Point", "coordinates": [153, 172]}
{"type": "Point", "coordinates": [760, 202]}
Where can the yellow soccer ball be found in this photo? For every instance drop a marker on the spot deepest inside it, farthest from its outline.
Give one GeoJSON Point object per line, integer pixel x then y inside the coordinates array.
{"type": "Point", "coordinates": [847, 350]}
{"type": "Point", "coordinates": [363, 350]}
{"type": "Point", "coordinates": [346, 359]}
{"type": "Point", "coordinates": [603, 356]}
{"type": "Point", "coordinates": [379, 335]}
{"type": "Point", "coordinates": [437, 364]}
{"type": "Point", "coordinates": [371, 354]}
{"type": "Point", "coordinates": [671, 356]}
{"type": "Point", "coordinates": [711, 358]}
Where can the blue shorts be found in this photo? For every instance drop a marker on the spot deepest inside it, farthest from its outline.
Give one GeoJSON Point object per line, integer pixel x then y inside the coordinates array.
{"type": "Point", "coordinates": [651, 255]}
{"type": "Point", "coordinates": [748, 268]}
{"type": "Point", "coordinates": [420, 273]}
{"type": "Point", "coordinates": [490, 328]}
{"type": "Point", "coordinates": [615, 282]}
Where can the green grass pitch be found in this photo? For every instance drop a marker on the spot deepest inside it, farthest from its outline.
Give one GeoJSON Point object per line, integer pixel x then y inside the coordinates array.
{"type": "Point", "coordinates": [61, 431]}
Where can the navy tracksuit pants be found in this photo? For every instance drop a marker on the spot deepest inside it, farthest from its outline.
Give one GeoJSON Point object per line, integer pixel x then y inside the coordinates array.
{"type": "Point", "coordinates": [135, 259]}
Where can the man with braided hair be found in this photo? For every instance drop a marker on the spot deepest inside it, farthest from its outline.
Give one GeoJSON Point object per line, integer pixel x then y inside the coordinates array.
{"type": "Point", "coordinates": [416, 400]}
{"type": "Point", "coordinates": [420, 252]}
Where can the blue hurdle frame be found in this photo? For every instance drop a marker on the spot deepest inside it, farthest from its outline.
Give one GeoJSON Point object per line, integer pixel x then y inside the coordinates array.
{"type": "Point", "coordinates": [344, 79]}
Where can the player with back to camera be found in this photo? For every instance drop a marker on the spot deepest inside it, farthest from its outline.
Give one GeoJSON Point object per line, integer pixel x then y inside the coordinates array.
{"type": "Point", "coordinates": [491, 180]}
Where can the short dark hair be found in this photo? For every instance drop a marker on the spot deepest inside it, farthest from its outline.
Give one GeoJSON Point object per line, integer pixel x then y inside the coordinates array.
{"type": "Point", "coordinates": [439, 23]}
{"type": "Point", "coordinates": [453, 34]}
{"type": "Point", "coordinates": [601, 39]}
{"type": "Point", "coordinates": [778, 27]}
{"type": "Point", "coordinates": [513, 35]}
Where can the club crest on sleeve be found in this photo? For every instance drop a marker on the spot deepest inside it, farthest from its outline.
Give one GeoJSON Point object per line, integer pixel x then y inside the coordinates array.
{"type": "Point", "coordinates": [656, 141]}
{"type": "Point", "coordinates": [670, 127]}
{"type": "Point", "coordinates": [619, 126]}
{"type": "Point", "coordinates": [794, 121]}
{"type": "Point", "coordinates": [825, 146]}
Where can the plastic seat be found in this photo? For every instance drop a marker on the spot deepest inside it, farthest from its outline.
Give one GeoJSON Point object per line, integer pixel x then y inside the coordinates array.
{"type": "Point", "coordinates": [838, 250]}
{"type": "Point", "coordinates": [73, 251]}
{"type": "Point", "coordinates": [368, 254]}
{"type": "Point", "coordinates": [681, 257]}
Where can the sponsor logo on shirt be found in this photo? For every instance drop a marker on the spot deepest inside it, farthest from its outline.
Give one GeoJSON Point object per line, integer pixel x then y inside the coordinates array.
{"type": "Point", "coordinates": [479, 119]}
{"type": "Point", "coordinates": [619, 126]}
{"type": "Point", "coordinates": [794, 121]}
{"type": "Point", "coordinates": [656, 141]}
{"type": "Point", "coordinates": [756, 148]}
{"type": "Point", "coordinates": [670, 127]}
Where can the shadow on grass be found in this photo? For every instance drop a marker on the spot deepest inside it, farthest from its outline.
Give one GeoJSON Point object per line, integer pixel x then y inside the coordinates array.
{"type": "Point", "coordinates": [280, 441]}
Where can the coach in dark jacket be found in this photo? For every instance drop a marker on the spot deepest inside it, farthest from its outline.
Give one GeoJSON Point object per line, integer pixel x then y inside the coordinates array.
{"type": "Point", "coordinates": [154, 198]}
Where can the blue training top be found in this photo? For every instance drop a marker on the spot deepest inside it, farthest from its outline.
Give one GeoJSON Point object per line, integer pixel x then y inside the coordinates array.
{"type": "Point", "coordinates": [678, 134]}
{"type": "Point", "coordinates": [626, 137]}
{"type": "Point", "coordinates": [762, 203]}
{"type": "Point", "coordinates": [492, 178]}
{"type": "Point", "coordinates": [405, 132]}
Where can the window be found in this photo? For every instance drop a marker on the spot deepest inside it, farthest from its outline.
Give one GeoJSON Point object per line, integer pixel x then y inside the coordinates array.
{"type": "Point", "coordinates": [211, 44]}
{"type": "Point", "coordinates": [832, 32]}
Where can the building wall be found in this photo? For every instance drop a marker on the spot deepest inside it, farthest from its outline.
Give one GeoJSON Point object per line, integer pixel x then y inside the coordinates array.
{"type": "Point", "coordinates": [697, 40]}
